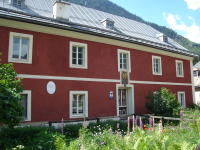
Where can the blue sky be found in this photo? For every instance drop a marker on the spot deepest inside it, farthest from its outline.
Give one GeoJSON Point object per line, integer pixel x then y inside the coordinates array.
{"type": "Point", "coordinates": [183, 16]}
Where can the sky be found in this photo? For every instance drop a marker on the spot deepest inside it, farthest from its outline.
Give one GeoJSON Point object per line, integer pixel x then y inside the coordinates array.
{"type": "Point", "coordinates": [183, 16]}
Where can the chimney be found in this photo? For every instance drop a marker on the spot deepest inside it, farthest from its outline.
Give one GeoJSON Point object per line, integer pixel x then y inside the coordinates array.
{"type": "Point", "coordinates": [61, 10]}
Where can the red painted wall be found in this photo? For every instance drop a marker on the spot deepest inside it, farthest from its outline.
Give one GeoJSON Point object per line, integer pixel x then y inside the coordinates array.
{"type": "Point", "coordinates": [51, 57]}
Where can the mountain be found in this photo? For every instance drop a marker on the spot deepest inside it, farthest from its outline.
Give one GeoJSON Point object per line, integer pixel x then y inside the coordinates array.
{"type": "Point", "coordinates": [107, 6]}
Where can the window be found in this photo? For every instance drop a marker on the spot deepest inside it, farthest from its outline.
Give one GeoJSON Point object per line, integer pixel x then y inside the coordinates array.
{"type": "Point", "coordinates": [78, 104]}
{"type": "Point", "coordinates": [181, 99]}
{"type": "Point", "coordinates": [124, 60]}
{"type": "Point", "coordinates": [20, 48]}
{"type": "Point", "coordinates": [179, 68]}
{"type": "Point", "coordinates": [17, 3]}
{"type": "Point", "coordinates": [195, 73]}
{"type": "Point", "coordinates": [156, 65]}
{"type": "Point", "coordinates": [109, 25]}
{"type": "Point", "coordinates": [26, 104]}
{"type": "Point", "coordinates": [78, 55]}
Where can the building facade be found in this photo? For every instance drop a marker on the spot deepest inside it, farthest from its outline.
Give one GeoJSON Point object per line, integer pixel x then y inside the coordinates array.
{"type": "Point", "coordinates": [75, 66]}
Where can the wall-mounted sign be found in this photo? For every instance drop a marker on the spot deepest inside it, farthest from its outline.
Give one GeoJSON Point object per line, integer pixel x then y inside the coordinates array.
{"type": "Point", "coordinates": [124, 78]}
{"type": "Point", "coordinates": [111, 94]}
{"type": "Point", "coordinates": [51, 87]}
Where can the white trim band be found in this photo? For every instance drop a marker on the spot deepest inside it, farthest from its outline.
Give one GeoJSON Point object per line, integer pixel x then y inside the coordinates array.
{"type": "Point", "coordinates": [96, 79]}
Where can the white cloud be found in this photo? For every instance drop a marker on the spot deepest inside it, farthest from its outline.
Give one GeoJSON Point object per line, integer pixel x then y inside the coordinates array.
{"type": "Point", "coordinates": [193, 4]}
{"type": "Point", "coordinates": [191, 32]}
{"type": "Point", "coordinates": [191, 18]}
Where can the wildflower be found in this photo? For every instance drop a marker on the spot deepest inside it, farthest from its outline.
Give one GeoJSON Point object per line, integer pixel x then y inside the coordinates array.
{"type": "Point", "coordinates": [62, 125]}
{"type": "Point", "coordinates": [185, 125]}
{"type": "Point", "coordinates": [111, 133]}
{"type": "Point", "coordinates": [164, 130]}
{"type": "Point", "coordinates": [146, 128]}
{"type": "Point", "coordinates": [117, 125]}
{"type": "Point", "coordinates": [141, 124]}
{"type": "Point", "coordinates": [181, 113]}
{"type": "Point", "coordinates": [102, 143]}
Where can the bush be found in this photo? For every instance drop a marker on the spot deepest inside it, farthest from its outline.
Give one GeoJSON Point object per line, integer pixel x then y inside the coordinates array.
{"type": "Point", "coordinates": [194, 106]}
{"type": "Point", "coordinates": [10, 97]}
{"type": "Point", "coordinates": [10, 137]}
{"type": "Point", "coordinates": [162, 102]}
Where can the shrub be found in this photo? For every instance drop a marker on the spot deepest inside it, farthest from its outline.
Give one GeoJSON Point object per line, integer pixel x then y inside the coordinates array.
{"type": "Point", "coordinates": [10, 98]}
{"type": "Point", "coordinates": [162, 102]}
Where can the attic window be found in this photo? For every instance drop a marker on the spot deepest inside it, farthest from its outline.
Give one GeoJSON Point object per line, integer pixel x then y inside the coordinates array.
{"type": "Point", "coordinates": [108, 23]}
{"type": "Point", "coordinates": [18, 3]}
{"type": "Point", "coordinates": [162, 37]}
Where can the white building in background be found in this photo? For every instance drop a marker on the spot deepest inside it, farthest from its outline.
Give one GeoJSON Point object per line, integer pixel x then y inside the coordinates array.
{"type": "Point", "coordinates": [196, 74]}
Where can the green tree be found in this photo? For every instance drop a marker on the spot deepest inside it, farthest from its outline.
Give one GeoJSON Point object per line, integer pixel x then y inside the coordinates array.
{"type": "Point", "coordinates": [162, 102]}
{"type": "Point", "coordinates": [11, 110]}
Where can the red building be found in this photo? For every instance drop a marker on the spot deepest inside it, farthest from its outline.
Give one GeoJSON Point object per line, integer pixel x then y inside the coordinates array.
{"type": "Point", "coordinates": [76, 61]}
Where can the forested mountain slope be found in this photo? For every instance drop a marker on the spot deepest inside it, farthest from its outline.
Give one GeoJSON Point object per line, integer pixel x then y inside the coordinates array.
{"type": "Point", "coordinates": [107, 6]}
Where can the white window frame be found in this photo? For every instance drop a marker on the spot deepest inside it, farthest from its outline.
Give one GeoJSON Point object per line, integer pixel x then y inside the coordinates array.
{"type": "Point", "coordinates": [85, 107]}
{"type": "Point", "coordinates": [30, 48]}
{"type": "Point", "coordinates": [179, 99]}
{"type": "Point", "coordinates": [160, 65]}
{"type": "Point", "coordinates": [85, 58]}
{"type": "Point", "coordinates": [128, 60]}
{"type": "Point", "coordinates": [28, 93]}
{"type": "Point", "coordinates": [182, 73]}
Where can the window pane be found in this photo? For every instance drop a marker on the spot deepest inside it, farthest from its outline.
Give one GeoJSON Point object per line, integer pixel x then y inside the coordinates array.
{"type": "Point", "coordinates": [74, 61]}
{"type": "Point", "coordinates": [16, 40]}
{"type": "Point", "coordinates": [25, 42]}
{"type": "Point", "coordinates": [73, 49]}
{"type": "Point", "coordinates": [121, 66]}
{"type": "Point", "coordinates": [73, 55]}
{"type": "Point", "coordinates": [80, 55]}
{"type": "Point", "coordinates": [16, 48]}
{"type": "Point", "coordinates": [24, 48]}
{"type": "Point", "coordinates": [19, 3]}
{"type": "Point", "coordinates": [80, 49]}
{"type": "Point", "coordinates": [120, 60]}
{"type": "Point", "coordinates": [123, 97]}
{"type": "Point", "coordinates": [119, 97]}
{"type": "Point", "coordinates": [124, 55]}
{"type": "Point", "coordinates": [124, 61]}
{"type": "Point", "coordinates": [15, 54]}
{"type": "Point", "coordinates": [80, 104]}
{"type": "Point", "coordinates": [125, 66]}
{"type": "Point", "coordinates": [23, 55]}
{"type": "Point", "coordinates": [120, 55]}
{"type": "Point", "coordinates": [24, 105]}
{"type": "Point", "coordinates": [80, 62]}
{"type": "Point", "coordinates": [74, 101]}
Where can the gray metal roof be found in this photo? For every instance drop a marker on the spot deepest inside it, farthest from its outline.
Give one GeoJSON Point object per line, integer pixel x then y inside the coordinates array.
{"type": "Point", "coordinates": [89, 20]}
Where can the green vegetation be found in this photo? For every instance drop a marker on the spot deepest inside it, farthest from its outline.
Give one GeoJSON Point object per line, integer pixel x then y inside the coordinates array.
{"type": "Point", "coordinates": [103, 135]}
{"type": "Point", "coordinates": [162, 103]}
{"type": "Point", "coordinates": [10, 98]}
{"type": "Point", "coordinates": [107, 6]}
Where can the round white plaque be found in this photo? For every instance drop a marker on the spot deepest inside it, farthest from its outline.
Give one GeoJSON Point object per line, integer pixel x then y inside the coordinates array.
{"type": "Point", "coordinates": [51, 87]}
